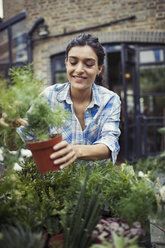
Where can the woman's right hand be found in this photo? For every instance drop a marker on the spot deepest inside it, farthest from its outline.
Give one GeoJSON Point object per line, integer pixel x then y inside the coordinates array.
{"type": "Point", "coordinates": [63, 155]}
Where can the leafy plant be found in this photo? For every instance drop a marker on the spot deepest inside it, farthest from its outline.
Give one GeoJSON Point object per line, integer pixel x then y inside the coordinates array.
{"type": "Point", "coordinates": [42, 117]}
{"type": "Point", "coordinates": [78, 226]}
{"type": "Point", "coordinates": [23, 93]}
{"type": "Point", "coordinates": [140, 203]}
{"type": "Point", "coordinates": [118, 241]}
{"type": "Point", "coordinates": [41, 202]}
{"type": "Point", "coordinates": [18, 236]}
{"type": "Point", "coordinates": [152, 166]}
{"type": "Point", "coordinates": [107, 226]}
{"type": "Point", "coordinates": [17, 99]}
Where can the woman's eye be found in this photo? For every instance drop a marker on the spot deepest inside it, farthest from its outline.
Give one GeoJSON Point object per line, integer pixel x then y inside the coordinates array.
{"type": "Point", "coordinates": [89, 65]}
{"type": "Point", "coordinates": [73, 62]}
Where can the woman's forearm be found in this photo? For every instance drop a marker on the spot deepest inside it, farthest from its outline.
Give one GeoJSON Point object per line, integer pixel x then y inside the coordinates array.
{"type": "Point", "coordinates": [92, 152]}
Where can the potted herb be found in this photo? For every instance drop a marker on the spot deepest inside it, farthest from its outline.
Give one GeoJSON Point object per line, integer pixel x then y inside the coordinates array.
{"type": "Point", "coordinates": [40, 118]}
{"type": "Point", "coordinates": [15, 102]}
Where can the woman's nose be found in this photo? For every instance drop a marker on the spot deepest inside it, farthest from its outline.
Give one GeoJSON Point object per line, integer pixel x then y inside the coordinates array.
{"type": "Point", "coordinates": [79, 67]}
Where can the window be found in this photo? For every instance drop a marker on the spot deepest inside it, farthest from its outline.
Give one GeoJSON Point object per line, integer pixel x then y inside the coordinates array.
{"type": "Point", "coordinates": [152, 80]}
{"type": "Point", "coordinates": [1, 8]}
{"type": "Point", "coordinates": [151, 56]}
{"type": "Point", "coordinates": [58, 69]}
{"type": "Point", "coordinates": [19, 46]}
{"type": "Point", "coordinates": [13, 45]}
{"type": "Point", "coordinates": [4, 51]}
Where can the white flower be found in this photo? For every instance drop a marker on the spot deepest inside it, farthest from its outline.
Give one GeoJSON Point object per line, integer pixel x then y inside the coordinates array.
{"type": "Point", "coordinates": [141, 174]}
{"type": "Point", "coordinates": [17, 167]}
{"type": "Point", "coordinates": [1, 155]}
{"type": "Point", "coordinates": [162, 193]}
{"type": "Point", "coordinates": [26, 153]}
{"type": "Point", "coordinates": [13, 152]}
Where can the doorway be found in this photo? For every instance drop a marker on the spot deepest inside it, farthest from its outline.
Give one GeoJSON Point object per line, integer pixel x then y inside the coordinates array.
{"type": "Point", "coordinates": [121, 77]}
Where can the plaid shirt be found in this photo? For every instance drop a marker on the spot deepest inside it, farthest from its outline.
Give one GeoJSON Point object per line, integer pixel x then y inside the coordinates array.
{"type": "Point", "coordinates": [101, 117]}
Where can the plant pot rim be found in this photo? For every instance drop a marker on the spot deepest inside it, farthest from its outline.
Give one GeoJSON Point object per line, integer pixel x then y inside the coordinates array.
{"type": "Point", "coordinates": [36, 144]}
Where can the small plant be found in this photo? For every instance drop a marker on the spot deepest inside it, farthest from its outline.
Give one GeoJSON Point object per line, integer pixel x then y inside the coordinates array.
{"type": "Point", "coordinates": [78, 226]}
{"type": "Point", "coordinates": [43, 121]}
{"type": "Point", "coordinates": [118, 241]}
{"type": "Point", "coordinates": [23, 93]}
{"type": "Point", "coordinates": [17, 99]}
{"type": "Point", "coordinates": [18, 236]}
{"type": "Point", "coordinates": [107, 226]}
{"type": "Point", "coordinates": [41, 118]}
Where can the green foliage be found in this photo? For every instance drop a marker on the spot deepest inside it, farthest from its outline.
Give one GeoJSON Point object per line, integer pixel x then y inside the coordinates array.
{"type": "Point", "coordinates": [16, 100]}
{"type": "Point", "coordinates": [19, 97]}
{"type": "Point", "coordinates": [42, 201]}
{"type": "Point", "coordinates": [42, 116]}
{"type": "Point", "coordinates": [78, 226]}
{"type": "Point", "coordinates": [161, 130]}
{"type": "Point", "coordinates": [140, 203]}
{"type": "Point", "coordinates": [19, 237]}
{"type": "Point", "coordinates": [118, 242]}
{"type": "Point", "coordinates": [9, 158]}
{"type": "Point", "coordinates": [151, 166]}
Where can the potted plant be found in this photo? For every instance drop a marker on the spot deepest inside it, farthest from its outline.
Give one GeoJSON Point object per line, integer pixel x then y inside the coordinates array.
{"type": "Point", "coordinates": [39, 120]}
{"type": "Point", "coordinates": [15, 102]}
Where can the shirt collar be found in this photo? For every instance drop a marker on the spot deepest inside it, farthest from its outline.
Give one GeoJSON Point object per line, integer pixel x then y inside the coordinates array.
{"type": "Point", "coordinates": [95, 96]}
{"type": "Point", "coordinates": [64, 95]}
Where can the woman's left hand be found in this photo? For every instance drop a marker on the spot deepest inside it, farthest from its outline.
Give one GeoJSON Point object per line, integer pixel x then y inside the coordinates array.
{"type": "Point", "coordinates": [63, 155]}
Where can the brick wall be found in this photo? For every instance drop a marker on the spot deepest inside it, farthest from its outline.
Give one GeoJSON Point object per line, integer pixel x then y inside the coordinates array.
{"type": "Point", "coordinates": [73, 14]}
{"type": "Point", "coordinates": [70, 15]}
{"type": "Point", "coordinates": [12, 7]}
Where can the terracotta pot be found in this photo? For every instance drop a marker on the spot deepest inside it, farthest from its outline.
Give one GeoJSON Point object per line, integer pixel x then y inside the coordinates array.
{"type": "Point", "coordinates": [56, 241]}
{"type": "Point", "coordinates": [41, 152]}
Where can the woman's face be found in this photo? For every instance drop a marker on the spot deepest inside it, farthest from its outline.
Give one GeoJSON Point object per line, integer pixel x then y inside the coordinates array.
{"type": "Point", "coordinates": [82, 67]}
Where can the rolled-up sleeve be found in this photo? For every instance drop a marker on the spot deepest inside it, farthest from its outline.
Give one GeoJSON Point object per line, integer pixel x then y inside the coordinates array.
{"type": "Point", "coordinates": [109, 131]}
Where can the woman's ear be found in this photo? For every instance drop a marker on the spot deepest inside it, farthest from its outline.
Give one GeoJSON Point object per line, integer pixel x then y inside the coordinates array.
{"type": "Point", "coordinates": [100, 68]}
{"type": "Point", "coordinates": [66, 62]}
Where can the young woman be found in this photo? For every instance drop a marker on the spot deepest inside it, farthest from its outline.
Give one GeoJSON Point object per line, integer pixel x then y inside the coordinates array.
{"type": "Point", "coordinates": [92, 131]}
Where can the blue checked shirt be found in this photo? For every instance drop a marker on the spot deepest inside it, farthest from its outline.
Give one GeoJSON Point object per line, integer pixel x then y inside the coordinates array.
{"type": "Point", "coordinates": [101, 117]}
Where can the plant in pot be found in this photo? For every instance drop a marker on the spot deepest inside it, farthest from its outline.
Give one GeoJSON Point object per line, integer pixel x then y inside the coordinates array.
{"type": "Point", "coordinates": [15, 101]}
{"type": "Point", "coordinates": [43, 129]}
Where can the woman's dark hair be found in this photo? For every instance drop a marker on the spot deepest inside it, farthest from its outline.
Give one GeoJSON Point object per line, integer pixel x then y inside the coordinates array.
{"type": "Point", "coordinates": [93, 42]}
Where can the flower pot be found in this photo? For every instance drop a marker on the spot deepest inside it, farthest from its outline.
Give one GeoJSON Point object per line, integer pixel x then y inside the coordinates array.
{"type": "Point", "coordinates": [56, 241]}
{"type": "Point", "coordinates": [41, 152]}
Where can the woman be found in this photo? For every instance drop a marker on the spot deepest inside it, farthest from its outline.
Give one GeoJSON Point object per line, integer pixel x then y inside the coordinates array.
{"type": "Point", "coordinates": [93, 130]}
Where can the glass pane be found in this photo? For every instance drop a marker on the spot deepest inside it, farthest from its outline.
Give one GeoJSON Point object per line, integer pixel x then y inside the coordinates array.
{"type": "Point", "coordinates": [61, 77]}
{"type": "Point", "coordinates": [152, 79]}
{"type": "Point", "coordinates": [19, 46]}
{"type": "Point", "coordinates": [4, 51]}
{"type": "Point", "coordinates": [151, 56]}
{"type": "Point", "coordinates": [152, 105]}
{"type": "Point", "coordinates": [59, 64]}
{"type": "Point", "coordinates": [129, 76]}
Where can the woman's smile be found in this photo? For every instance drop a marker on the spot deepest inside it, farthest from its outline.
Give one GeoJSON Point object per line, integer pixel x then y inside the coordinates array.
{"type": "Point", "coordinates": [79, 78]}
